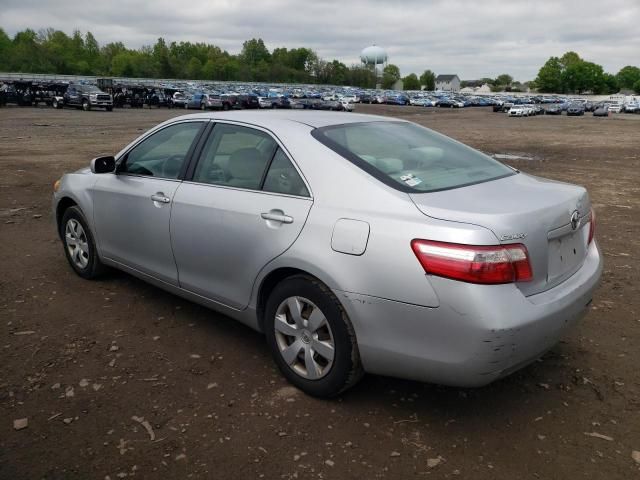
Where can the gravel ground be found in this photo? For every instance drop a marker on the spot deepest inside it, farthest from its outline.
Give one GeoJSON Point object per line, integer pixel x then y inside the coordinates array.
{"type": "Point", "coordinates": [117, 379]}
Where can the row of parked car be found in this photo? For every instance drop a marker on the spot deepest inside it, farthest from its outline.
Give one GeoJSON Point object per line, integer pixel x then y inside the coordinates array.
{"type": "Point", "coordinates": [573, 107]}
{"type": "Point", "coordinates": [189, 96]}
{"type": "Point", "coordinates": [108, 94]}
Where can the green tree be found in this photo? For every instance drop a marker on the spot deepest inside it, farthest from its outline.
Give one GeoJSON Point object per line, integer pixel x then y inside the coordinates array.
{"type": "Point", "coordinates": [549, 79]}
{"type": "Point", "coordinates": [161, 58]}
{"type": "Point", "coordinates": [636, 87]}
{"type": "Point", "coordinates": [390, 75]}
{"type": "Point", "coordinates": [570, 58]}
{"type": "Point", "coordinates": [611, 83]}
{"type": "Point", "coordinates": [428, 80]}
{"type": "Point", "coordinates": [5, 51]}
{"type": "Point", "coordinates": [194, 68]}
{"type": "Point", "coordinates": [504, 80]}
{"type": "Point", "coordinates": [411, 82]}
{"type": "Point", "coordinates": [122, 64]}
{"type": "Point", "coordinates": [628, 76]}
{"type": "Point", "coordinates": [254, 51]}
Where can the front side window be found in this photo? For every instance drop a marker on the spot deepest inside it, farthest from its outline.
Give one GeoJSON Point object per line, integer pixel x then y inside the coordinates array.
{"type": "Point", "coordinates": [410, 158]}
{"type": "Point", "coordinates": [163, 153]}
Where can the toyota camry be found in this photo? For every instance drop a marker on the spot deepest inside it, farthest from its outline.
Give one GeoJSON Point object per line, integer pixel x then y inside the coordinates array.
{"type": "Point", "coordinates": [354, 243]}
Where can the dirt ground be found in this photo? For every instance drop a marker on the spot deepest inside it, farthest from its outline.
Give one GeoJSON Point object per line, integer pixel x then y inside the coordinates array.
{"type": "Point", "coordinates": [118, 379]}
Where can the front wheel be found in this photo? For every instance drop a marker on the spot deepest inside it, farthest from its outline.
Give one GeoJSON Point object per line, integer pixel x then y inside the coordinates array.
{"type": "Point", "coordinates": [311, 338]}
{"type": "Point", "coordinates": [79, 245]}
{"type": "Point", "coordinates": [55, 103]}
{"type": "Point", "coordinates": [86, 106]}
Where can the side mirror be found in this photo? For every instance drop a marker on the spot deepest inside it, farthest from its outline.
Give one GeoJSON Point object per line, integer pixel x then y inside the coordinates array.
{"type": "Point", "coordinates": [103, 164]}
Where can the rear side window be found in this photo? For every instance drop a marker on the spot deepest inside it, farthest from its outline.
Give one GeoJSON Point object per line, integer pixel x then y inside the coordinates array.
{"type": "Point", "coordinates": [410, 158]}
{"type": "Point", "coordinates": [283, 177]}
{"type": "Point", "coordinates": [235, 156]}
{"type": "Point", "coordinates": [244, 157]}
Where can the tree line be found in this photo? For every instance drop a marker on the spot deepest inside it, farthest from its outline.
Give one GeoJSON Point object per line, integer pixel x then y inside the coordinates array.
{"type": "Point", "coordinates": [53, 51]}
{"type": "Point", "coordinates": [571, 74]}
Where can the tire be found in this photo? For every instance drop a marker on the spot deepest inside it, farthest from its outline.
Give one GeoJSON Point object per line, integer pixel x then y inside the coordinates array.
{"type": "Point", "coordinates": [109, 109]}
{"type": "Point", "coordinates": [333, 332]}
{"type": "Point", "coordinates": [86, 106]}
{"type": "Point", "coordinates": [74, 227]}
{"type": "Point", "coordinates": [225, 106]}
{"type": "Point", "coordinates": [54, 104]}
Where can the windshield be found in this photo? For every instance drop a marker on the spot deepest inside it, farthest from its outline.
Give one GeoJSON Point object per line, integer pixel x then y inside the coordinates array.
{"type": "Point", "coordinates": [409, 157]}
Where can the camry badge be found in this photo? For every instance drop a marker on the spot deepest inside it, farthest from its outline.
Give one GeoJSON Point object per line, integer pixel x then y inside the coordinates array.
{"type": "Point", "coordinates": [512, 236]}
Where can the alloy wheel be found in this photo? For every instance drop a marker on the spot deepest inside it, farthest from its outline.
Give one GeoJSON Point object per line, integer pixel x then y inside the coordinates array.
{"type": "Point", "coordinates": [77, 244]}
{"type": "Point", "coordinates": [304, 338]}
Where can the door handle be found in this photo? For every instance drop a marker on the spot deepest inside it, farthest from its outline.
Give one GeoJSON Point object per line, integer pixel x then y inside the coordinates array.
{"type": "Point", "coordinates": [277, 217]}
{"type": "Point", "coordinates": [160, 198]}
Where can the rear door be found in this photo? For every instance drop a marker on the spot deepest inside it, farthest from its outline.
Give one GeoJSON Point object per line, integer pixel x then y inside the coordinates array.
{"type": "Point", "coordinates": [132, 207]}
{"type": "Point", "coordinates": [245, 204]}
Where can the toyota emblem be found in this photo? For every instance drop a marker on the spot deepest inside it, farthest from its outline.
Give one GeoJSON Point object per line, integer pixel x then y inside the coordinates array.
{"type": "Point", "coordinates": [575, 220]}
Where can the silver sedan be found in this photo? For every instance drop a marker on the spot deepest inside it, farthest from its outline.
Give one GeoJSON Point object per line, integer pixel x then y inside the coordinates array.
{"type": "Point", "coordinates": [355, 243]}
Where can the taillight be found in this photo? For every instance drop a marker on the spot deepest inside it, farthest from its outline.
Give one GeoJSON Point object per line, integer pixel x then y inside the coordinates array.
{"type": "Point", "coordinates": [592, 227]}
{"type": "Point", "coordinates": [475, 264]}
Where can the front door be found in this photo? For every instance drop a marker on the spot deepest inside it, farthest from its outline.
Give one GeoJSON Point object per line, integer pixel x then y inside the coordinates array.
{"type": "Point", "coordinates": [132, 207]}
{"type": "Point", "coordinates": [245, 204]}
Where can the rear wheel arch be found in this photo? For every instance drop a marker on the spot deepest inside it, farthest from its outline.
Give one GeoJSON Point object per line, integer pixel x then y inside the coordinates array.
{"type": "Point", "coordinates": [272, 279]}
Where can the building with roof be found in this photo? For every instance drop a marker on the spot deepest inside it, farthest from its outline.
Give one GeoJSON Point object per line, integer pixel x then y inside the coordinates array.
{"type": "Point", "coordinates": [448, 83]}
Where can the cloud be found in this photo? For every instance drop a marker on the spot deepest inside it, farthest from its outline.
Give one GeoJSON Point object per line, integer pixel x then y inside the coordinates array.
{"type": "Point", "coordinates": [473, 39]}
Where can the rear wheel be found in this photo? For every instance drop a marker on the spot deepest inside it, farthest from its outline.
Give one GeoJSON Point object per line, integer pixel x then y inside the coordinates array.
{"type": "Point", "coordinates": [55, 103]}
{"type": "Point", "coordinates": [311, 338]}
{"type": "Point", "coordinates": [79, 245]}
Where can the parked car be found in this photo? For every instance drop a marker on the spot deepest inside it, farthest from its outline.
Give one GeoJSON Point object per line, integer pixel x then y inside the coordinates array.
{"type": "Point", "coordinates": [156, 98]}
{"type": "Point", "coordinates": [85, 97]}
{"type": "Point", "coordinates": [177, 100]}
{"type": "Point", "coordinates": [355, 243]}
{"type": "Point", "coordinates": [575, 109]}
{"type": "Point", "coordinates": [615, 107]}
{"type": "Point", "coordinates": [205, 101]}
{"type": "Point", "coordinates": [346, 106]}
{"type": "Point", "coordinates": [631, 107]}
{"type": "Point", "coordinates": [601, 111]}
{"type": "Point", "coordinates": [247, 100]}
{"type": "Point", "coordinates": [518, 111]}
{"type": "Point", "coordinates": [554, 109]}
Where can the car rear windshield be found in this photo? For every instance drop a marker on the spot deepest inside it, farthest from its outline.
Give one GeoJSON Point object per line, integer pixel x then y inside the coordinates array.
{"type": "Point", "coordinates": [410, 158]}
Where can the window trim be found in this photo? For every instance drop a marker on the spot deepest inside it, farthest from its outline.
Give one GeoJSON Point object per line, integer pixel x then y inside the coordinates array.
{"type": "Point", "coordinates": [348, 155]}
{"type": "Point", "coordinates": [121, 160]}
{"type": "Point", "coordinates": [204, 139]}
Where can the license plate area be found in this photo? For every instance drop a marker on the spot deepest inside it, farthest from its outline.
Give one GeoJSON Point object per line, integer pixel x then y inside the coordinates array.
{"type": "Point", "coordinates": [566, 254]}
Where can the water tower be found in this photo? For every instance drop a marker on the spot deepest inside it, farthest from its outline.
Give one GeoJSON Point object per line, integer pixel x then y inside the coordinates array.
{"type": "Point", "coordinates": [375, 56]}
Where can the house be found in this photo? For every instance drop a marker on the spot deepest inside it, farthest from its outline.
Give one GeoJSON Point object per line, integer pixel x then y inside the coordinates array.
{"type": "Point", "coordinates": [448, 83]}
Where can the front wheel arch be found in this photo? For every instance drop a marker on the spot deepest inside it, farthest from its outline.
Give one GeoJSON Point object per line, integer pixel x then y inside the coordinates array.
{"type": "Point", "coordinates": [63, 205]}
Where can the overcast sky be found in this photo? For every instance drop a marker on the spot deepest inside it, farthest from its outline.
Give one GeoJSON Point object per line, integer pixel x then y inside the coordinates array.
{"type": "Point", "coordinates": [474, 39]}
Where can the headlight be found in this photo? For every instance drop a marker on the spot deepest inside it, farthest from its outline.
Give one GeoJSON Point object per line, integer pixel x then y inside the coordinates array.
{"type": "Point", "coordinates": [56, 186]}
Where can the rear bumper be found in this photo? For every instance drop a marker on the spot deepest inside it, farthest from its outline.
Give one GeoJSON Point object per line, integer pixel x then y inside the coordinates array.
{"type": "Point", "coordinates": [478, 333]}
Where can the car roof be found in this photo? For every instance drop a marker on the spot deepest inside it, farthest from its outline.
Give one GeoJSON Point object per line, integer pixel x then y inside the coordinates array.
{"type": "Point", "coordinates": [272, 118]}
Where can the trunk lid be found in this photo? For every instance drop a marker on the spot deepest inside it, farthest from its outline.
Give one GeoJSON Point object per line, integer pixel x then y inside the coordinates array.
{"type": "Point", "coordinates": [523, 209]}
